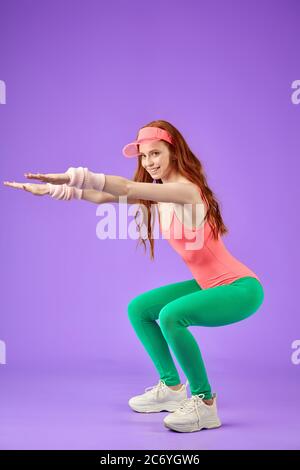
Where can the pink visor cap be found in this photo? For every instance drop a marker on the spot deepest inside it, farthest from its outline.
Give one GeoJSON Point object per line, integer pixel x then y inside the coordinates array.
{"type": "Point", "coordinates": [146, 134]}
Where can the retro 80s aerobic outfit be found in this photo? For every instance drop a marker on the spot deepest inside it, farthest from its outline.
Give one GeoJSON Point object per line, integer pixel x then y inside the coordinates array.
{"type": "Point", "coordinates": [222, 291]}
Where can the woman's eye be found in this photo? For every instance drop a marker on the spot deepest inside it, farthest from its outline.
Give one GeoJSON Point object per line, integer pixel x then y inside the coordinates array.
{"type": "Point", "coordinates": [154, 153]}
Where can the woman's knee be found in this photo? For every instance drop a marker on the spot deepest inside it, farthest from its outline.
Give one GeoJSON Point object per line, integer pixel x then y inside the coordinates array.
{"type": "Point", "coordinates": [134, 307]}
{"type": "Point", "coordinates": [139, 309]}
{"type": "Point", "coordinates": [168, 318]}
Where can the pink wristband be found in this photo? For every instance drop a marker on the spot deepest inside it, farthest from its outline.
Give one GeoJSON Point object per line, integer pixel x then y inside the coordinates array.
{"type": "Point", "coordinates": [64, 192]}
{"type": "Point", "coordinates": [83, 178]}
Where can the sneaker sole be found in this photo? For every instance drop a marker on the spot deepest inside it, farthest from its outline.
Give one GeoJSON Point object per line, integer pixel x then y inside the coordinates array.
{"type": "Point", "coordinates": [168, 406]}
{"type": "Point", "coordinates": [193, 428]}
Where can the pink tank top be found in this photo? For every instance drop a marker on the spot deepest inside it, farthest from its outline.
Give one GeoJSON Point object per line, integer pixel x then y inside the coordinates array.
{"type": "Point", "coordinates": [208, 259]}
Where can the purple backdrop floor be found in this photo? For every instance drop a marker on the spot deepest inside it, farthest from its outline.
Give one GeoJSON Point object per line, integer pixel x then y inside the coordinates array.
{"type": "Point", "coordinates": [67, 409]}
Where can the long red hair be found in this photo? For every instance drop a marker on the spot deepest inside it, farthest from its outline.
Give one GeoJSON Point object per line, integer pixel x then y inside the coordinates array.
{"type": "Point", "coordinates": [188, 165]}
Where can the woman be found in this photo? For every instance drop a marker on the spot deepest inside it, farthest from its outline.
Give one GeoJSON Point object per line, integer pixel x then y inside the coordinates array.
{"type": "Point", "coordinates": [222, 290]}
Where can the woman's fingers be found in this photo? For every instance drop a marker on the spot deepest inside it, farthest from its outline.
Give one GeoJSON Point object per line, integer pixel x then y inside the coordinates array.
{"type": "Point", "coordinates": [38, 189]}
{"type": "Point", "coordinates": [39, 176]}
{"type": "Point", "coordinates": [13, 184]}
{"type": "Point", "coordinates": [55, 178]}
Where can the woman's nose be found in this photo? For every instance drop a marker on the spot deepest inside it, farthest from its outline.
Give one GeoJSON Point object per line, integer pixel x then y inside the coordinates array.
{"type": "Point", "coordinates": [149, 162]}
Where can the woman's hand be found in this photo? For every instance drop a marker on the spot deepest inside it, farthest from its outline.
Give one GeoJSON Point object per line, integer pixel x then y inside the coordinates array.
{"type": "Point", "coordinates": [36, 189]}
{"type": "Point", "coordinates": [54, 178]}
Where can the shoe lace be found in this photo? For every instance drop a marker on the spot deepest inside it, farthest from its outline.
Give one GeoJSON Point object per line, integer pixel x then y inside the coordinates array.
{"type": "Point", "coordinates": [156, 389]}
{"type": "Point", "coordinates": [190, 404]}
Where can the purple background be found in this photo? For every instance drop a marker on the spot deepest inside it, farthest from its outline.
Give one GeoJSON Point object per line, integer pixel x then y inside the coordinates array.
{"type": "Point", "coordinates": [82, 77]}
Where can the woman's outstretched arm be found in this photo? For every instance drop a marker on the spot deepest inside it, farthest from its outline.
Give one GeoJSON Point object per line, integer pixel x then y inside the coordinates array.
{"type": "Point", "coordinates": [64, 192]}
{"type": "Point", "coordinates": [83, 178]}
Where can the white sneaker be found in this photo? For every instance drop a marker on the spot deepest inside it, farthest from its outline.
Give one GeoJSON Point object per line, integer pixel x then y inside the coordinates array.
{"type": "Point", "coordinates": [158, 398]}
{"type": "Point", "coordinates": [193, 415]}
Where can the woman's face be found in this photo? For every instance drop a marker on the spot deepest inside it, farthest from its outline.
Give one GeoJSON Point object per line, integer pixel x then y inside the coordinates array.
{"type": "Point", "coordinates": [155, 158]}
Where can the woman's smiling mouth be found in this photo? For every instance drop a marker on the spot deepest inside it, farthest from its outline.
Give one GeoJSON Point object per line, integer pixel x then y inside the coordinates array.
{"type": "Point", "coordinates": [154, 170]}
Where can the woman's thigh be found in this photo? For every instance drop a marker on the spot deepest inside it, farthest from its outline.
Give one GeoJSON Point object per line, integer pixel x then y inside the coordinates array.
{"type": "Point", "coordinates": [149, 303]}
{"type": "Point", "coordinates": [216, 306]}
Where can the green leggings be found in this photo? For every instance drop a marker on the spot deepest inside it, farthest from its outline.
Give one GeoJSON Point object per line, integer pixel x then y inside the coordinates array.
{"type": "Point", "coordinates": [184, 304]}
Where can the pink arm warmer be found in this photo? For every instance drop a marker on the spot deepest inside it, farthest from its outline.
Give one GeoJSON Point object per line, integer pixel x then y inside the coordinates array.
{"type": "Point", "coordinates": [83, 178]}
{"type": "Point", "coordinates": [64, 192]}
